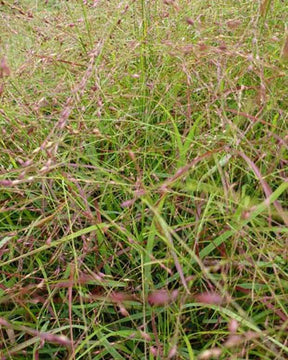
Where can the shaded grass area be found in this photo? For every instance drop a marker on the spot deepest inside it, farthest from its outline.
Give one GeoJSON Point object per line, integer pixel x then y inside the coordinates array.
{"type": "Point", "coordinates": [143, 180]}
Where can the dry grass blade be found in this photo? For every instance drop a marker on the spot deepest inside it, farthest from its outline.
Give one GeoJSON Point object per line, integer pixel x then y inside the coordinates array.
{"type": "Point", "coordinates": [284, 52]}
{"type": "Point", "coordinates": [265, 7]}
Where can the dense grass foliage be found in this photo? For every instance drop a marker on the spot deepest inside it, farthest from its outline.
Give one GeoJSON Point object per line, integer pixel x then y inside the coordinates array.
{"type": "Point", "coordinates": [143, 179]}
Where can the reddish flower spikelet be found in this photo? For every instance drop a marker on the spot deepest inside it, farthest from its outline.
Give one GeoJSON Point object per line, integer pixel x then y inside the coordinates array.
{"type": "Point", "coordinates": [118, 297]}
{"type": "Point", "coordinates": [172, 352]}
{"type": "Point", "coordinates": [233, 24]}
{"type": "Point", "coordinates": [4, 68]}
{"type": "Point", "coordinates": [189, 21]}
{"type": "Point", "coordinates": [210, 298]}
{"type": "Point", "coordinates": [6, 182]}
{"type": "Point", "coordinates": [210, 354]}
{"type": "Point", "coordinates": [145, 336]}
{"type": "Point", "coordinates": [128, 203]}
{"type": "Point", "coordinates": [123, 311]}
{"type": "Point", "coordinates": [233, 340]}
{"type": "Point", "coordinates": [154, 350]}
{"type": "Point", "coordinates": [162, 297]}
{"type": "Point", "coordinates": [233, 326]}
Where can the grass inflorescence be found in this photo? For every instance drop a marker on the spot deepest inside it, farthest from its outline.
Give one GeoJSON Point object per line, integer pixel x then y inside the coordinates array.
{"type": "Point", "coordinates": [143, 180]}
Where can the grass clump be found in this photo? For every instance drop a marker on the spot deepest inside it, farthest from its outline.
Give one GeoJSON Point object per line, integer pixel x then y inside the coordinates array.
{"type": "Point", "coordinates": [143, 180]}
